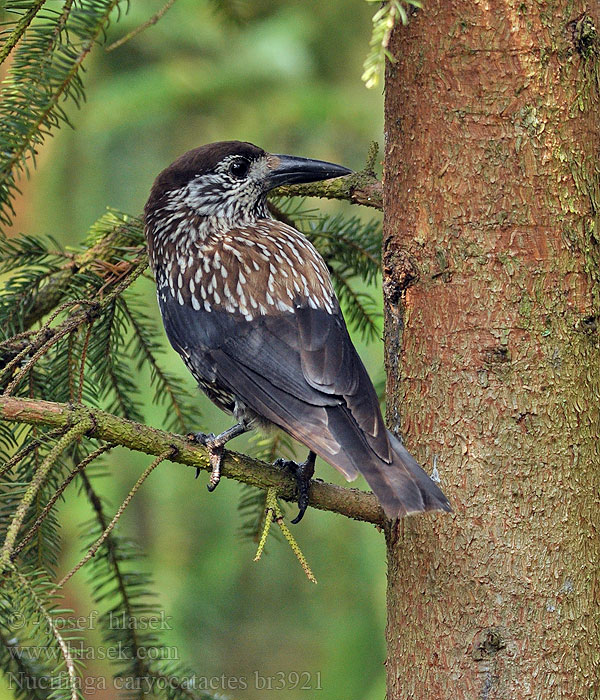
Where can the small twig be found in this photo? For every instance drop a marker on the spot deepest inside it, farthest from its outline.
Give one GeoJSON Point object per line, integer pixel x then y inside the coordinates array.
{"type": "Point", "coordinates": [295, 547]}
{"type": "Point", "coordinates": [361, 187]}
{"type": "Point", "coordinates": [84, 350]}
{"type": "Point", "coordinates": [138, 30]}
{"type": "Point", "coordinates": [41, 473]}
{"type": "Point", "coordinates": [273, 512]}
{"type": "Point", "coordinates": [17, 336]}
{"type": "Point", "coordinates": [269, 514]}
{"type": "Point", "coordinates": [34, 444]}
{"type": "Point", "coordinates": [64, 647]}
{"type": "Point", "coordinates": [56, 495]}
{"type": "Point", "coordinates": [71, 378]}
{"type": "Point", "coordinates": [44, 331]}
{"type": "Point", "coordinates": [70, 324]}
{"type": "Point", "coordinates": [97, 544]}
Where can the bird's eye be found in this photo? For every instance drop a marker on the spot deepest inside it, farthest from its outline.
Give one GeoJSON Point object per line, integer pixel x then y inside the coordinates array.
{"type": "Point", "coordinates": [239, 168]}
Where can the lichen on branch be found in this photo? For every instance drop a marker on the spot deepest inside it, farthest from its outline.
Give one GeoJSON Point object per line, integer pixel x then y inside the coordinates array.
{"type": "Point", "coordinates": [353, 503]}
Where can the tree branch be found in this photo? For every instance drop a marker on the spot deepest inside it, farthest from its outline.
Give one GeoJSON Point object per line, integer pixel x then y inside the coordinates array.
{"type": "Point", "coordinates": [361, 187]}
{"type": "Point", "coordinates": [52, 292]}
{"type": "Point", "coordinates": [358, 188]}
{"type": "Point", "coordinates": [353, 503]}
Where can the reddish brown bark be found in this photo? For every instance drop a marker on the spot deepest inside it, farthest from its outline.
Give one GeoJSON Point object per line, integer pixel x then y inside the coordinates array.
{"type": "Point", "coordinates": [492, 255]}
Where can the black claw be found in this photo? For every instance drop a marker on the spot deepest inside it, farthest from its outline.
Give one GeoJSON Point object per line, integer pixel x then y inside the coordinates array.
{"type": "Point", "coordinates": [211, 487]}
{"type": "Point", "coordinates": [299, 517]}
{"type": "Point", "coordinates": [303, 472]}
{"type": "Point", "coordinates": [197, 472]}
{"type": "Point", "coordinates": [201, 438]}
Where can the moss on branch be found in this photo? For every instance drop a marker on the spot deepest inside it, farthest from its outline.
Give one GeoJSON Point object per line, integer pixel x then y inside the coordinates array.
{"type": "Point", "coordinates": [357, 188]}
{"type": "Point", "coordinates": [361, 187]}
{"type": "Point", "coordinates": [353, 503]}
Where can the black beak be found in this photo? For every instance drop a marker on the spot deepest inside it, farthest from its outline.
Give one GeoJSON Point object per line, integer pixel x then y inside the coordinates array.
{"type": "Point", "coordinates": [291, 169]}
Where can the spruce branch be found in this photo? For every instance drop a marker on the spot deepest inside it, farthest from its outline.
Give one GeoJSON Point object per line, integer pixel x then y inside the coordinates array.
{"type": "Point", "coordinates": [47, 336]}
{"type": "Point", "coordinates": [111, 236]}
{"type": "Point", "coordinates": [167, 454]}
{"type": "Point", "coordinates": [384, 21]}
{"type": "Point", "coordinates": [78, 429]}
{"type": "Point", "coordinates": [361, 187]}
{"type": "Point", "coordinates": [57, 494]}
{"type": "Point", "coordinates": [353, 503]}
{"type": "Point", "coordinates": [142, 27]}
{"type": "Point", "coordinates": [46, 615]}
{"type": "Point", "coordinates": [357, 188]}
{"type": "Point", "coordinates": [46, 71]}
{"type": "Point", "coordinates": [20, 28]}
{"type": "Point", "coordinates": [126, 586]}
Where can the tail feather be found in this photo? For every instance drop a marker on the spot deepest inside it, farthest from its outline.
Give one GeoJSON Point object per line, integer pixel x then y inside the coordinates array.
{"type": "Point", "coordinates": [403, 487]}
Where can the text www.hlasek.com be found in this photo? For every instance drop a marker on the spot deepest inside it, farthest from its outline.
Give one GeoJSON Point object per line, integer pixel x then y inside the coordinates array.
{"type": "Point", "coordinates": [117, 652]}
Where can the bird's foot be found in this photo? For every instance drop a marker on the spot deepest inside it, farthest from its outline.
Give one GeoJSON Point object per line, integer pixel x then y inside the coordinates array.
{"type": "Point", "coordinates": [215, 446]}
{"type": "Point", "coordinates": [302, 472]}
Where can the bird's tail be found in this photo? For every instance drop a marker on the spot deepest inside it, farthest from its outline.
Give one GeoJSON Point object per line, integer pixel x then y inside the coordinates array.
{"type": "Point", "coordinates": [402, 486]}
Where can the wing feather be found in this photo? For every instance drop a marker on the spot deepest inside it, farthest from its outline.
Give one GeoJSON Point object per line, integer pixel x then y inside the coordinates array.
{"type": "Point", "coordinates": [288, 368]}
{"type": "Point", "coordinates": [301, 372]}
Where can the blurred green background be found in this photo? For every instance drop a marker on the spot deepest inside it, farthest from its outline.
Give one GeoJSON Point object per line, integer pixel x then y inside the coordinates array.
{"type": "Point", "coordinates": [287, 78]}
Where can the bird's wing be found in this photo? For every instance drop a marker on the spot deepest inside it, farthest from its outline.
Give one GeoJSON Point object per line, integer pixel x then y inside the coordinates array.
{"type": "Point", "coordinates": [299, 370]}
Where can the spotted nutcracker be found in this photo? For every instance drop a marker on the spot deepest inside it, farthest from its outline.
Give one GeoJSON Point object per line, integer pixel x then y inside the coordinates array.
{"type": "Point", "coordinates": [248, 303]}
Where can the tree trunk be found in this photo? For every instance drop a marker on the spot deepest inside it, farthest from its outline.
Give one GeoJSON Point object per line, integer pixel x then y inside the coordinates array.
{"type": "Point", "coordinates": [491, 278]}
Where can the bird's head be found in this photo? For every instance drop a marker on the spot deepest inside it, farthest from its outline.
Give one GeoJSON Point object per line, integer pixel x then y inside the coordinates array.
{"type": "Point", "coordinates": [229, 181]}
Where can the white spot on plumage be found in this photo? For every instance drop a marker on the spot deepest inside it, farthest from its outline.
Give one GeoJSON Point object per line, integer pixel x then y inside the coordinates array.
{"type": "Point", "coordinates": [179, 297]}
{"type": "Point", "coordinates": [282, 306]}
{"type": "Point", "coordinates": [195, 303]}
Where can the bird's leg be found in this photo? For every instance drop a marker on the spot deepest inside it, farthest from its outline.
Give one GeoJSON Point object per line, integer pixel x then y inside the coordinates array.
{"type": "Point", "coordinates": [215, 444]}
{"type": "Point", "coordinates": [303, 472]}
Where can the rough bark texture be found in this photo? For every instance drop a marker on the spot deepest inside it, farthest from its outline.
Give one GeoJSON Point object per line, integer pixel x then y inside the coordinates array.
{"type": "Point", "coordinates": [492, 262]}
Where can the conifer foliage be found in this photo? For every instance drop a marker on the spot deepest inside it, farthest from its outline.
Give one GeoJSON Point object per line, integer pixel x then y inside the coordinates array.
{"type": "Point", "coordinates": [73, 329]}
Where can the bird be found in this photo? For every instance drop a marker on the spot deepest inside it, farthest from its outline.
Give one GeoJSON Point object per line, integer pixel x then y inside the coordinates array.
{"type": "Point", "coordinates": [248, 303]}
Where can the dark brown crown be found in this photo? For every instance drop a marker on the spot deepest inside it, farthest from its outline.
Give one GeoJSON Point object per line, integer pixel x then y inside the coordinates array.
{"type": "Point", "coordinates": [198, 161]}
